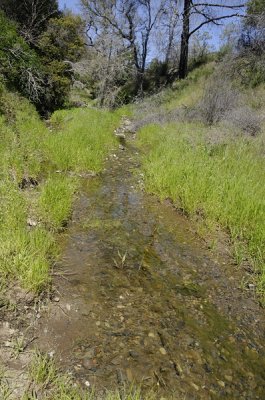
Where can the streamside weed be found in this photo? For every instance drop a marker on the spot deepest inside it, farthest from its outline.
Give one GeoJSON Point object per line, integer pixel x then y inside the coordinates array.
{"type": "Point", "coordinates": [82, 139]}
{"type": "Point", "coordinates": [55, 200]}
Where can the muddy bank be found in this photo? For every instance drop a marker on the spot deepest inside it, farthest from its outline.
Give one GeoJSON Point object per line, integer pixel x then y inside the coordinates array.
{"type": "Point", "coordinates": [140, 300]}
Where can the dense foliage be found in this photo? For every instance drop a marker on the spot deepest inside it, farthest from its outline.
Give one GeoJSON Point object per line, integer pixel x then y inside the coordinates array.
{"type": "Point", "coordinates": [59, 46]}
{"type": "Point", "coordinates": [251, 57]}
{"type": "Point", "coordinates": [31, 16]}
{"type": "Point", "coordinates": [39, 65]}
{"type": "Point", "coordinates": [256, 7]}
{"type": "Point", "coordinates": [20, 66]}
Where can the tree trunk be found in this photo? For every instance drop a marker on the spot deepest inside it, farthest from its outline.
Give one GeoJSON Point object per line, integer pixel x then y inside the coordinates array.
{"type": "Point", "coordinates": [184, 49]}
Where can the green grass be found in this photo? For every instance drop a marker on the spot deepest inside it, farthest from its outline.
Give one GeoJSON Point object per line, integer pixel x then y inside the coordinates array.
{"type": "Point", "coordinates": [82, 138]}
{"type": "Point", "coordinates": [183, 93]}
{"type": "Point", "coordinates": [221, 182]}
{"type": "Point", "coordinates": [79, 141]}
{"type": "Point", "coordinates": [5, 391]}
{"type": "Point", "coordinates": [188, 92]}
{"type": "Point", "coordinates": [24, 253]}
{"type": "Point", "coordinates": [55, 200]}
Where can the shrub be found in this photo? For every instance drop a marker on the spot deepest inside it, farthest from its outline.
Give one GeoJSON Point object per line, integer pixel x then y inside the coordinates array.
{"type": "Point", "coordinates": [249, 56]}
{"type": "Point", "coordinates": [246, 119]}
{"type": "Point", "coordinates": [20, 65]}
{"type": "Point", "coordinates": [42, 73]}
{"type": "Point", "coordinates": [219, 97]}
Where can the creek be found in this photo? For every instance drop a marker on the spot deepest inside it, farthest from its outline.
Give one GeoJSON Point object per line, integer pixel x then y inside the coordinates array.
{"type": "Point", "coordinates": [143, 301]}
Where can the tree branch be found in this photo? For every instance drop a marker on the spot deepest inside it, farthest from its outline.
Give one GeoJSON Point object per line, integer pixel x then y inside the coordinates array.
{"type": "Point", "coordinates": [213, 20]}
{"type": "Point", "coordinates": [219, 5]}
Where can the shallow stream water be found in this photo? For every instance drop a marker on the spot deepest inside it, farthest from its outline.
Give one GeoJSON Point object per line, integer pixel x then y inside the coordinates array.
{"type": "Point", "coordinates": [142, 301]}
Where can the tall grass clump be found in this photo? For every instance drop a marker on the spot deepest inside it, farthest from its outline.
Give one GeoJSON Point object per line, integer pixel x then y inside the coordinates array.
{"type": "Point", "coordinates": [24, 252]}
{"type": "Point", "coordinates": [22, 137]}
{"type": "Point", "coordinates": [221, 181]}
{"type": "Point", "coordinates": [82, 138]}
{"type": "Point", "coordinates": [55, 200]}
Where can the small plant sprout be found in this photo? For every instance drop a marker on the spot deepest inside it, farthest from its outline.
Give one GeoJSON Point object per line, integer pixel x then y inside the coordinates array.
{"type": "Point", "coordinates": [18, 346]}
{"type": "Point", "coordinates": [121, 261]}
{"type": "Point", "coordinates": [5, 392]}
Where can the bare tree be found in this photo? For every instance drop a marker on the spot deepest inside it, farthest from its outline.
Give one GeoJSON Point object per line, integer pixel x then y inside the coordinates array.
{"type": "Point", "coordinates": [110, 65]}
{"type": "Point", "coordinates": [209, 12]}
{"type": "Point", "coordinates": [168, 31]}
{"type": "Point", "coordinates": [133, 21]}
{"type": "Point", "coordinates": [20, 62]}
{"type": "Point", "coordinates": [172, 23]}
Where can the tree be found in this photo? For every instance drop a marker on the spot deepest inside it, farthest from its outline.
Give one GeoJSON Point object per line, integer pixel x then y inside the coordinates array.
{"type": "Point", "coordinates": [251, 45]}
{"type": "Point", "coordinates": [19, 64]}
{"type": "Point", "coordinates": [256, 7]}
{"type": "Point", "coordinates": [199, 49]}
{"type": "Point", "coordinates": [244, 47]}
{"type": "Point", "coordinates": [32, 16]}
{"type": "Point", "coordinates": [63, 39]}
{"type": "Point", "coordinates": [133, 21]}
{"type": "Point", "coordinates": [166, 41]}
{"type": "Point", "coordinates": [59, 47]}
{"type": "Point", "coordinates": [208, 12]}
{"type": "Point", "coordinates": [255, 14]}
{"type": "Point", "coordinates": [171, 18]}
{"type": "Point", "coordinates": [108, 70]}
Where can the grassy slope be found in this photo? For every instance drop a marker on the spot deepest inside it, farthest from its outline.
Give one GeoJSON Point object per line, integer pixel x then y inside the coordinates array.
{"type": "Point", "coordinates": [223, 182]}
{"type": "Point", "coordinates": [79, 141]}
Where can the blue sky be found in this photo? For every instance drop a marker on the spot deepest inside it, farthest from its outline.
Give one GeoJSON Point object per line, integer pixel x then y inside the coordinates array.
{"type": "Point", "coordinates": [71, 4]}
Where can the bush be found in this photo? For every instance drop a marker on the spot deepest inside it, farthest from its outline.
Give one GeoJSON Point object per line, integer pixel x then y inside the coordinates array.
{"type": "Point", "coordinates": [246, 119]}
{"type": "Point", "coordinates": [20, 65]}
{"type": "Point", "coordinates": [31, 16]}
{"type": "Point", "coordinates": [249, 57]}
{"type": "Point", "coordinates": [219, 97]}
{"type": "Point", "coordinates": [44, 73]}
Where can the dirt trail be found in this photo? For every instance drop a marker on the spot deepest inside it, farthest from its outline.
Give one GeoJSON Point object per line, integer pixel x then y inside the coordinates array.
{"type": "Point", "coordinates": [142, 301]}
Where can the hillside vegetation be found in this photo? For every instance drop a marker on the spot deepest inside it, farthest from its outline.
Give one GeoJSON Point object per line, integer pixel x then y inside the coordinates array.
{"type": "Point", "coordinates": [40, 169]}
{"type": "Point", "coordinates": [212, 171]}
